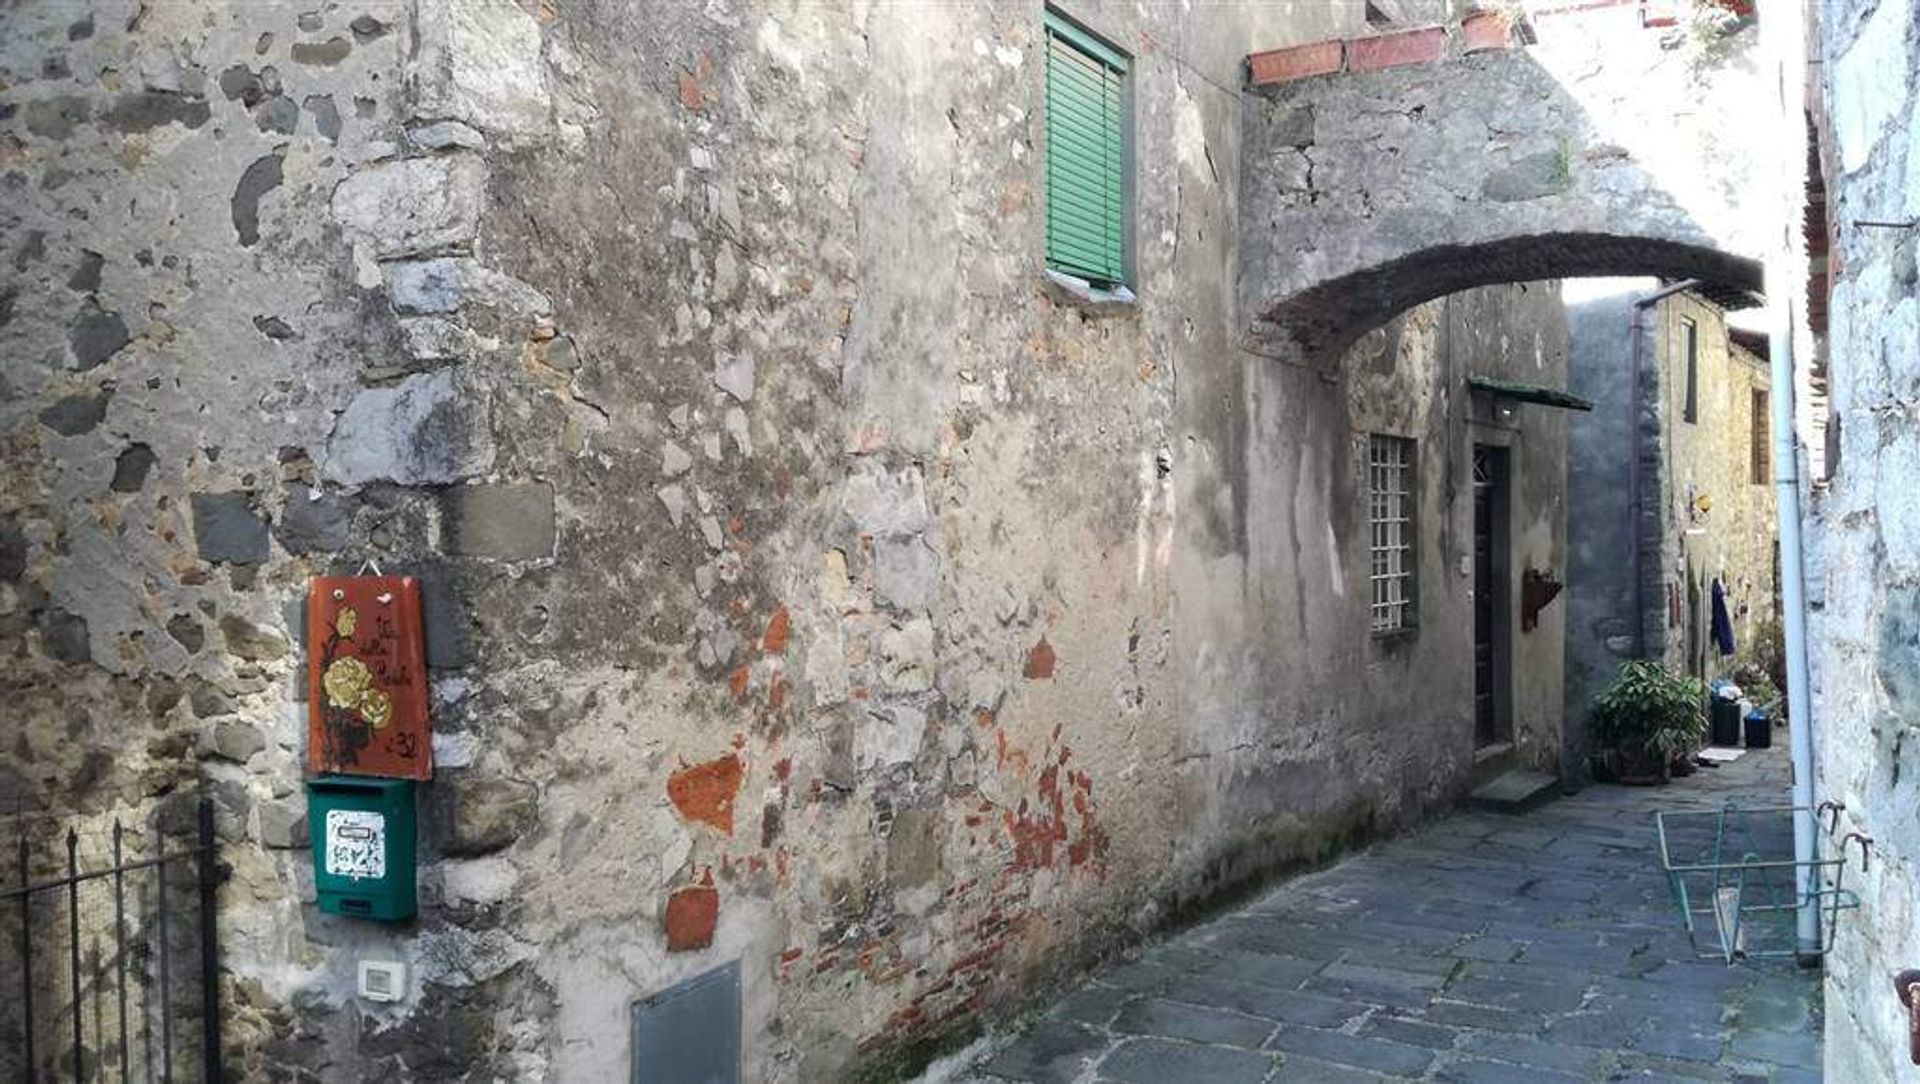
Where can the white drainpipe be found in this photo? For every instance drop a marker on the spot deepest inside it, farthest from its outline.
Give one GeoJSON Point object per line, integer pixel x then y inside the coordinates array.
{"type": "Point", "coordinates": [1782, 34]}
{"type": "Point", "coordinates": [1793, 600]}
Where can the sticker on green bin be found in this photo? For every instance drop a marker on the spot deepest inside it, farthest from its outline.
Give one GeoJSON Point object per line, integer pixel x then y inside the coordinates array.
{"type": "Point", "coordinates": [356, 844]}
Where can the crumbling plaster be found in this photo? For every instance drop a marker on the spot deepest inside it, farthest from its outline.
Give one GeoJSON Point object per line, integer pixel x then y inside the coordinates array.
{"type": "Point", "coordinates": [788, 539]}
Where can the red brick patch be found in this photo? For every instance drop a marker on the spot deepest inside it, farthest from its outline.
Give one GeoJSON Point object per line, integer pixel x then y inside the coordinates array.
{"type": "Point", "coordinates": [692, 914]}
{"type": "Point", "coordinates": [1485, 30]}
{"type": "Point", "coordinates": [705, 792]}
{"type": "Point", "coordinates": [1040, 660]}
{"type": "Point", "coordinates": [1298, 62]}
{"type": "Point", "coordinates": [775, 640]}
{"type": "Point", "coordinates": [691, 96]}
{"type": "Point", "coordinates": [1394, 50]}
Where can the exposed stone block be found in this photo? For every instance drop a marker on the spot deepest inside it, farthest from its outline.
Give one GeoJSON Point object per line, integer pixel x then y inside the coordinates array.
{"type": "Point", "coordinates": [226, 528]}
{"type": "Point", "coordinates": [96, 336]}
{"type": "Point", "coordinates": [130, 468]}
{"type": "Point", "coordinates": [447, 133]}
{"type": "Point", "coordinates": [283, 824]}
{"type": "Point", "coordinates": [478, 61]}
{"type": "Point", "coordinates": [414, 206]}
{"type": "Point", "coordinates": [510, 521]}
{"type": "Point", "coordinates": [64, 636]}
{"type": "Point", "coordinates": [322, 54]}
{"type": "Point", "coordinates": [734, 374]}
{"type": "Point", "coordinates": [250, 641]}
{"type": "Point", "coordinates": [277, 114]}
{"type": "Point", "coordinates": [1394, 50]}
{"type": "Point", "coordinates": [73, 415]}
{"type": "Point", "coordinates": [13, 550]}
{"type": "Point", "coordinates": [145, 110]}
{"type": "Point", "coordinates": [906, 573]}
{"type": "Point", "coordinates": [1532, 177]}
{"type": "Point", "coordinates": [448, 645]}
{"type": "Point", "coordinates": [885, 503]}
{"type": "Point", "coordinates": [234, 740]}
{"type": "Point", "coordinates": [207, 699]}
{"type": "Point", "coordinates": [428, 429]}
{"type": "Point", "coordinates": [483, 815]}
{"type": "Point", "coordinates": [314, 521]}
{"type": "Point", "coordinates": [914, 847]}
{"type": "Point", "coordinates": [1297, 62]}
{"type": "Point", "coordinates": [481, 881]}
{"type": "Point", "coordinates": [187, 632]}
{"type": "Point", "coordinates": [262, 176]}
{"type": "Point", "coordinates": [906, 656]}
{"type": "Point", "coordinates": [428, 286]}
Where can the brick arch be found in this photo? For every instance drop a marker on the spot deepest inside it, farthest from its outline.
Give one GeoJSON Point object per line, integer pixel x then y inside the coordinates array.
{"type": "Point", "coordinates": [1377, 178]}
{"type": "Point", "coordinates": [1323, 319]}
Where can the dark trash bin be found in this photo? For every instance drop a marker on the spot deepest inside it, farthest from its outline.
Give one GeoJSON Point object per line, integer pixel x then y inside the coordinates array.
{"type": "Point", "coordinates": [1724, 719]}
{"type": "Point", "coordinates": [1759, 730]}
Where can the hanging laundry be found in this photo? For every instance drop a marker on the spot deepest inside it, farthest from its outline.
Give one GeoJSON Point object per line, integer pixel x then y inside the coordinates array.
{"type": "Point", "coordinates": [1722, 621]}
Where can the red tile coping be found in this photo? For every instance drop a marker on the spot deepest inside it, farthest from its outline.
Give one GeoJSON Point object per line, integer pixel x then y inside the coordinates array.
{"type": "Point", "coordinates": [1297, 62]}
{"type": "Point", "coordinates": [1394, 50]}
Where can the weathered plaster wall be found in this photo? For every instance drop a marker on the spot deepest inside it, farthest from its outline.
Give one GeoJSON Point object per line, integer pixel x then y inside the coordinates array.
{"type": "Point", "coordinates": [1299, 718]}
{"type": "Point", "coordinates": [1556, 150]}
{"type": "Point", "coordinates": [1681, 461]}
{"type": "Point", "coordinates": [1601, 603]}
{"type": "Point", "coordinates": [810, 583]}
{"type": "Point", "coordinates": [1718, 521]}
{"type": "Point", "coordinates": [1864, 568]}
{"type": "Point", "coordinates": [183, 321]}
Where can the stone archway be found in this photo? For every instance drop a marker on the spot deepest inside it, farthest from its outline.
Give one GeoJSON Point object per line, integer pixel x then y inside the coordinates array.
{"type": "Point", "coordinates": [1367, 192]}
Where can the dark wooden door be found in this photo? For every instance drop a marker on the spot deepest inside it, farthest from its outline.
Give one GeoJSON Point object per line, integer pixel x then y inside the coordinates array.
{"type": "Point", "coordinates": [1490, 656]}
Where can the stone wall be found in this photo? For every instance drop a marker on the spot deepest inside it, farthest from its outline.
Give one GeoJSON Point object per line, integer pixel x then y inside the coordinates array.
{"type": "Point", "coordinates": [1546, 154]}
{"type": "Point", "coordinates": [1863, 565]}
{"type": "Point", "coordinates": [1703, 515]}
{"type": "Point", "coordinates": [1719, 521]}
{"type": "Point", "coordinates": [810, 582]}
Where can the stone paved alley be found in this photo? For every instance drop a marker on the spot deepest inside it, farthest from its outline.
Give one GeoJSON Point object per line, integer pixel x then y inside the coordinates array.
{"type": "Point", "coordinates": [1486, 949]}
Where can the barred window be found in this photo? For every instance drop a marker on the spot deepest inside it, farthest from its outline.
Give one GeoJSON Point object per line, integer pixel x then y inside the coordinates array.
{"type": "Point", "coordinates": [1390, 517]}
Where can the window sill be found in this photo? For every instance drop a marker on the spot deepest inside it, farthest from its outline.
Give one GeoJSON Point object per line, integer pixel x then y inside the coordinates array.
{"type": "Point", "coordinates": [1395, 636]}
{"type": "Point", "coordinates": [1097, 299]}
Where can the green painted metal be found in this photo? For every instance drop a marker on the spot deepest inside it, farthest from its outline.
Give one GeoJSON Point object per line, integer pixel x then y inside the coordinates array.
{"type": "Point", "coordinates": [1086, 155]}
{"type": "Point", "coordinates": [363, 834]}
{"type": "Point", "coordinates": [1528, 393]}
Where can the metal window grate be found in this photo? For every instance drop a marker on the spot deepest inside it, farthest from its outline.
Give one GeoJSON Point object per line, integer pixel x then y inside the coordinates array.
{"type": "Point", "coordinates": [1390, 521]}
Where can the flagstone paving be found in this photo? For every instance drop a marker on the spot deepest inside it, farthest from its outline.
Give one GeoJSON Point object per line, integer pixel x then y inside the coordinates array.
{"type": "Point", "coordinates": [1540, 949]}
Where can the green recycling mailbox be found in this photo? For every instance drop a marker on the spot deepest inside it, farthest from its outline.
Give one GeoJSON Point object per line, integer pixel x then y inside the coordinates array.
{"type": "Point", "coordinates": [363, 845]}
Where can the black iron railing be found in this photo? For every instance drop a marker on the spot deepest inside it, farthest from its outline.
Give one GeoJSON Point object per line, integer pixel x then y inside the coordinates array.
{"type": "Point", "coordinates": [118, 952]}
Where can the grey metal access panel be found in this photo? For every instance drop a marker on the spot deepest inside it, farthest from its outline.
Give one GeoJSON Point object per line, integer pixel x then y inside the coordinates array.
{"type": "Point", "coordinates": [690, 1033]}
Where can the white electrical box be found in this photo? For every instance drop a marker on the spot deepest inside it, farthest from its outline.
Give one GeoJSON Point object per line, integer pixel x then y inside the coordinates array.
{"type": "Point", "coordinates": [383, 980]}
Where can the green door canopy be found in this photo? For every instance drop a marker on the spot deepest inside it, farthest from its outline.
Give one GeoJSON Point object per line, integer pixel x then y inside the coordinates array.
{"type": "Point", "coordinates": [1528, 393]}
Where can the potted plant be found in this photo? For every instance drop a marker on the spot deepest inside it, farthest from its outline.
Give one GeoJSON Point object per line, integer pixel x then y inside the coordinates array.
{"type": "Point", "coordinates": [1652, 718]}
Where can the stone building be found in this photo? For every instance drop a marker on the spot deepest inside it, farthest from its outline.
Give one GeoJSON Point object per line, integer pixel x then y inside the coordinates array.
{"type": "Point", "coordinates": [829, 573]}
{"type": "Point", "coordinates": [1677, 443]}
{"type": "Point", "coordinates": [1860, 329]}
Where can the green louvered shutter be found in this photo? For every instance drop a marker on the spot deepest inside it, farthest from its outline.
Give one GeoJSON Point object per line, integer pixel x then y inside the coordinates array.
{"type": "Point", "coordinates": [1086, 155]}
